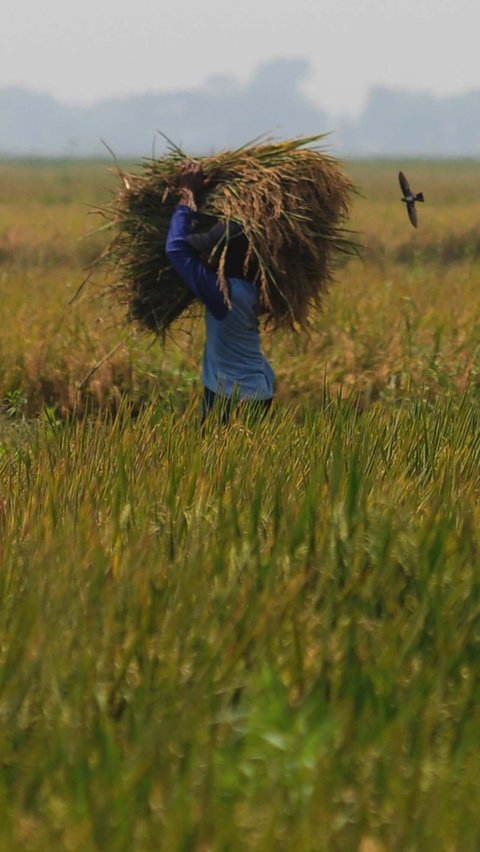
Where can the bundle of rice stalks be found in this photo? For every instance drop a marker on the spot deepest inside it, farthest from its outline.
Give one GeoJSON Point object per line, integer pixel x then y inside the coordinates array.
{"type": "Point", "coordinates": [291, 200]}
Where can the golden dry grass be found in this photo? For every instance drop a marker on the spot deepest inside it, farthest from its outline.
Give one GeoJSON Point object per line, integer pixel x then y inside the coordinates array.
{"type": "Point", "coordinates": [406, 316]}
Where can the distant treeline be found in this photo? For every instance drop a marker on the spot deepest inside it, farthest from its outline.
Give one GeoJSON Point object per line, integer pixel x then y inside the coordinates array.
{"type": "Point", "coordinates": [225, 113]}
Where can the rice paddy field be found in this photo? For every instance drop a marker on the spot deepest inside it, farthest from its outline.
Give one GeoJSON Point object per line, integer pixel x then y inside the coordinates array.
{"type": "Point", "coordinates": [265, 637]}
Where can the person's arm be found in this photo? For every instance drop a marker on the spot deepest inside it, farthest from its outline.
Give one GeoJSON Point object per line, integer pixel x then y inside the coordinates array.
{"type": "Point", "coordinates": [201, 280]}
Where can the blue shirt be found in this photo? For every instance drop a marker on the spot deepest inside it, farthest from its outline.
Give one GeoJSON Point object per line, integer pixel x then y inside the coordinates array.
{"type": "Point", "coordinates": [233, 362]}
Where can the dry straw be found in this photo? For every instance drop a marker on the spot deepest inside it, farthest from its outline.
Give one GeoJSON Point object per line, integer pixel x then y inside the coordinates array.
{"type": "Point", "coordinates": [292, 201]}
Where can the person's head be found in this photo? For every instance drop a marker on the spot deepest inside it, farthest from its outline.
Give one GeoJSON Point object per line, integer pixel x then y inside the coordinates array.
{"type": "Point", "coordinates": [210, 246]}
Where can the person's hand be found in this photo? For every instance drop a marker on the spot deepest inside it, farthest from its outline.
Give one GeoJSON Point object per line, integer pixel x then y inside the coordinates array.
{"type": "Point", "coordinates": [192, 178]}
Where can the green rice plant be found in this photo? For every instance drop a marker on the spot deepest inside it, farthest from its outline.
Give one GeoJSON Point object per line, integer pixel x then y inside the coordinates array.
{"type": "Point", "coordinates": [260, 637]}
{"type": "Point", "coordinates": [251, 637]}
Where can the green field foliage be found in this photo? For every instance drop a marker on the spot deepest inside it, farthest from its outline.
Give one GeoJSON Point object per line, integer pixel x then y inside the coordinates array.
{"type": "Point", "coordinates": [265, 636]}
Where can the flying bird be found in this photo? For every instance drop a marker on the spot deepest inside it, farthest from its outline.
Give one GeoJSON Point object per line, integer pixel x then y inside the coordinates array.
{"type": "Point", "coordinates": [410, 198]}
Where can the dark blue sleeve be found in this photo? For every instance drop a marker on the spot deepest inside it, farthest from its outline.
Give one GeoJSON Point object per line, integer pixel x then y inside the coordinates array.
{"type": "Point", "coordinates": [198, 278]}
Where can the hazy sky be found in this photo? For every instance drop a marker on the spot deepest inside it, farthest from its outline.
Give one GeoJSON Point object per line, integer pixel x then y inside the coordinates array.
{"type": "Point", "coordinates": [88, 49]}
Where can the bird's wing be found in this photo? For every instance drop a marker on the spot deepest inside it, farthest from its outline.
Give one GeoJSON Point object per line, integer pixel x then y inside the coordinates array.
{"type": "Point", "coordinates": [404, 184]}
{"type": "Point", "coordinates": [412, 214]}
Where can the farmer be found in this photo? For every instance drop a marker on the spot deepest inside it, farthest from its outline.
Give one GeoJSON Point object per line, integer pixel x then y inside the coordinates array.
{"type": "Point", "coordinates": [234, 366]}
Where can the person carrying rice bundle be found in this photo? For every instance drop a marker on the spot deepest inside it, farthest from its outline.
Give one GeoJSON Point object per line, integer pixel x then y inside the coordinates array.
{"type": "Point", "coordinates": [234, 366]}
{"type": "Point", "coordinates": [270, 222]}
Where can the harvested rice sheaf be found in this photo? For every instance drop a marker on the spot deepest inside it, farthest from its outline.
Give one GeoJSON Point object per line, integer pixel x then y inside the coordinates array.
{"type": "Point", "coordinates": [291, 200]}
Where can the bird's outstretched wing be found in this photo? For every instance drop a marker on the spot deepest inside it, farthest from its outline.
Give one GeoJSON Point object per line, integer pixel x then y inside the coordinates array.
{"type": "Point", "coordinates": [412, 214]}
{"type": "Point", "coordinates": [404, 184]}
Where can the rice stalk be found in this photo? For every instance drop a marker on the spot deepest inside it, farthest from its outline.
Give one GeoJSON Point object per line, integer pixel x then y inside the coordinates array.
{"type": "Point", "coordinates": [292, 201]}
